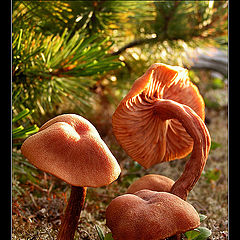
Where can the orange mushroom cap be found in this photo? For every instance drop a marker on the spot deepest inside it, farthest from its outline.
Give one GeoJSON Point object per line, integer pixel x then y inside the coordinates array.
{"type": "Point", "coordinates": [69, 147]}
{"type": "Point", "coordinates": [153, 182]}
{"type": "Point", "coordinates": [141, 132]}
{"type": "Point", "coordinates": [151, 215]}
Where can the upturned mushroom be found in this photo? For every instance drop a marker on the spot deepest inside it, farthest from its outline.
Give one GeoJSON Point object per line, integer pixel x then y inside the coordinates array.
{"type": "Point", "coordinates": [70, 148]}
{"type": "Point", "coordinates": [161, 119]}
{"type": "Point", "coordinates": [150, 215]}
{"type": "Point", "coordinates": [153, 182]}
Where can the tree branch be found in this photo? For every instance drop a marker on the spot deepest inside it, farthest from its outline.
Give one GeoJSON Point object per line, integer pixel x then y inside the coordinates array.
{"type": "Point", "coordinates": [135, 43]}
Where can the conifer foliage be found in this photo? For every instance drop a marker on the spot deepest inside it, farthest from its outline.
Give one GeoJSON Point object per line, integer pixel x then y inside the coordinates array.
{"type": "Point", "coordinates": [48, 67]}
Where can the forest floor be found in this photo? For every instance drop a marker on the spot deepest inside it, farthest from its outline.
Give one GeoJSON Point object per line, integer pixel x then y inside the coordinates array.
{"type": "Point", "coordinates": [36, 214]}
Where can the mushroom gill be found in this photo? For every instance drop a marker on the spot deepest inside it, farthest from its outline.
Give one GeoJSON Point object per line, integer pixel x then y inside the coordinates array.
{"type": "Point", "coordinates": [146, 136]}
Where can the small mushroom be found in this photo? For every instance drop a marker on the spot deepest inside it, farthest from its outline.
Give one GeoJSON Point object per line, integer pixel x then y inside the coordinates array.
{"type": "Point", "coordinates": [161, 119]}
{"type": "Point", "coordinates": [70, 148]}
{"type": "Point", "coordinates": [153, 182]}
{"type": "Point", "coordinates": [148, 214]}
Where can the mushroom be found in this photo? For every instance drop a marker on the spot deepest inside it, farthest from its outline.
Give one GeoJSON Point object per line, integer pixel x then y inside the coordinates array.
{"type": "Point", "coordinates": [153, 182]}
{"type": "Point", "coordinates": [161, 119]}
{"type": "Point", "coordinates": [151, 215]}
{"type": "Point", "coordinates": [144, 135]}
{"type": "Point", "coordinates": [70, 148]}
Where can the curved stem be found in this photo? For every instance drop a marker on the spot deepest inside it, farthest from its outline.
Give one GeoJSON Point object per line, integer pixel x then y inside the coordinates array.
{"type": "Point", "coordinates": [70, 220]}
{"type": "Point", "coordinates": [168, 109]}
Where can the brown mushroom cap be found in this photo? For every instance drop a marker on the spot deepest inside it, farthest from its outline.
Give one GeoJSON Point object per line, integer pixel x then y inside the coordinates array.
{"type": "Point", "coordinates": [151, 215]}
{"type": "Point", "coordinates": [69, 147]}
{"type": "Point", "coordinates": [153, 182]}
{"type": "Point", "coordinates": [140, 131]}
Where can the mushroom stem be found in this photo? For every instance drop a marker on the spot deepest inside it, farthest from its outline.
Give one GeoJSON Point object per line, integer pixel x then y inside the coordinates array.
{"type": "Point", "coordinates": [168, 109]}
{"type": "Point", "coordinates": [70, 220]}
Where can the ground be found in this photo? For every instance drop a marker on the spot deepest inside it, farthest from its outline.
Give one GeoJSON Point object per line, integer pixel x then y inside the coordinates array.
{"type": "Point", "coordinates": [36, 214]}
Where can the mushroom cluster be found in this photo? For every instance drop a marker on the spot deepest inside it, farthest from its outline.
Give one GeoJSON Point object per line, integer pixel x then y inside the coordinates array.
{"type": "Point", "coordinates": [70, 148]}
{"type": "Point", "coordinates": [159, 120]}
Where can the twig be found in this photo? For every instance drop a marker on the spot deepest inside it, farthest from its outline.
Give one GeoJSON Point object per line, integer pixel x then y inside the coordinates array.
{"type": "Point", "coordinates": [135, 43]}
{"type": "Point", "coordinates": [33, 200]}
{"type": "Point", "coordinates": [50, 188]}
{"type": "Point", "coordinates": [37, 186]}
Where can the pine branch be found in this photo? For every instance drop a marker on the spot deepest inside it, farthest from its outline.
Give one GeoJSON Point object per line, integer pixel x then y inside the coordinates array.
{"type": "Point", "coordinates": [47, 69]}
{"type": "Point", "coordinates": [135, 43]}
